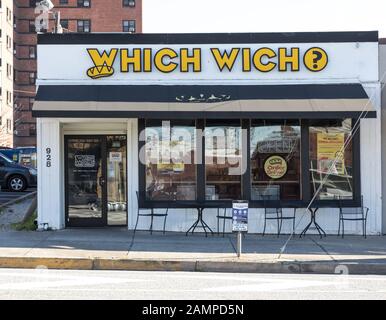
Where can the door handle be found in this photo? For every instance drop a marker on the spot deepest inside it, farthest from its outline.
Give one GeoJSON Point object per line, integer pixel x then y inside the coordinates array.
{"type": "Point", "coordinates": [102, 181]}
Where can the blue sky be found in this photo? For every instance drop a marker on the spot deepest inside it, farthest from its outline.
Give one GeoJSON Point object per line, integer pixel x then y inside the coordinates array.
{"type": "Point", "coordinates": [263, 16]}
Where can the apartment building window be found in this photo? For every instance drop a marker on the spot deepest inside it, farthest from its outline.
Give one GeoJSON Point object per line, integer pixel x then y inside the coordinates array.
{"type": "Point", "coordinates": [9, 125]}
{"type": "Point", "coordinates": [129, 3]}
{"type": "Point", "coordinates": [9, 42]}
{"type": "Point", "coordinates": [9, 70]}
{"type": "Point", "coordinates": [9, 15]}
{"type": "Point", "coordinates": [14, 21]}
{"type": "Point", "coordinates": [1, 62]}
{"type": "Point", "coordinates": [129, 26]}
{"type": "Point", "coordinates": [31, 103]}
{"type": "Point", "coordinates": [61, 2]}
{"type": "Point", "coordinates": [32, 52]}
{"type": "Point", "coordinates": [32, 130]}
{"type": "Point", "coordinates": [32, 77]}
{"type": "Point", "coordinates": [32, 26]}
{"type": "Point", "coordinates": [84, 3]}
{"type": "Point", "coordinates": [14, 48]}
{"type": "Point", "coordinates": [9, 98]}
{"type": "Point", "coordinates": [64, 23]}
{"type": "Point", "coordinates": [84, 26]}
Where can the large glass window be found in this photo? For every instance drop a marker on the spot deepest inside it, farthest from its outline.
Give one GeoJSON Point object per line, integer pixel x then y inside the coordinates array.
{"type": "Point", "coordinates": [223, 163]}
{"type": "Point", "coordinates": [178, 165]}
{"type": "Point", "coordinates": [275, 160]}
{"type": "Point", "coordinates": [331, 159]}
{"type": "Point", "coordinates": [170, 160]}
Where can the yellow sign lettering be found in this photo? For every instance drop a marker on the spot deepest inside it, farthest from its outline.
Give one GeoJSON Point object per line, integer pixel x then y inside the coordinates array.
{"type": "Point", "coordinates": [291, 59]}
{"type": "Point", "coordinates": [134, 59]}
{"type": "Point", "coordinates": [103, 63]}
{"type": "Point", "coordinates": [225, 59]}
{"type": "Point", "coordinates": [258, 56]}
{"type": "Point", "coordinates": [186, 60]}
{"type": "Point", "coordinates": [159, 60]}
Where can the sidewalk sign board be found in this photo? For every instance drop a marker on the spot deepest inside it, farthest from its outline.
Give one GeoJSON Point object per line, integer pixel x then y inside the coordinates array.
{"type": "Point", "coordinates": [239, 221]}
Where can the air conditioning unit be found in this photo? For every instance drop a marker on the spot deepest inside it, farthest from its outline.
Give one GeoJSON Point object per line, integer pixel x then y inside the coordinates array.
{"type": "Point", "coordinates": [86, 3]}
{"type": "Point", "coordinates": [132, 29]}
{"type": "Point", "coordinates": [131, 4]}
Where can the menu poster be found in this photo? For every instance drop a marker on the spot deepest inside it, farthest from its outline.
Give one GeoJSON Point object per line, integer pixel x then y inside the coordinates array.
{"type": "Point", "coordinates": [330, 150]}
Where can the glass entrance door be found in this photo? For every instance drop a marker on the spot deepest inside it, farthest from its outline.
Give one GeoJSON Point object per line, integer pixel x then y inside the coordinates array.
{"type": "Point", "coordinates": [85, 181]}
{"type": "Point", "coordinates": [96, 192]}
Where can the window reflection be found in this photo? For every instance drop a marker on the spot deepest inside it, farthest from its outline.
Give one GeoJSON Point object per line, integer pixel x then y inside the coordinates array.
{"type": "Point", "coordinates": [223, 160]}
{"type": "Point", "coordinates": [169, 155]}
{"type": "Point", "coordinates": [330, 160]}
{"type": "Point", "coordinates": [275, 160]}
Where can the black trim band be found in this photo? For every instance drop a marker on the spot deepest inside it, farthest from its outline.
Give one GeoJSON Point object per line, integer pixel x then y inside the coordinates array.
{"type": "Point", "coordinates": [202, 115]}
{"type": "Point", "coordinates": [205, 38]}
{"type": "Point", "coordinates": [157, 93]}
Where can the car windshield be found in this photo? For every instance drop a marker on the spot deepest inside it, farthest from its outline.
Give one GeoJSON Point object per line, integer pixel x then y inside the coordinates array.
{"type": "Point", "coordinates": [5, 158]}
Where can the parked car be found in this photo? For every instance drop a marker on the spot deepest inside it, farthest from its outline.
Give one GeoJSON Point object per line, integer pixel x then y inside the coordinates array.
{"type": "Point", "coordinates": [25, 156]}
{"type": "Point", "coordinates": [14, 176]}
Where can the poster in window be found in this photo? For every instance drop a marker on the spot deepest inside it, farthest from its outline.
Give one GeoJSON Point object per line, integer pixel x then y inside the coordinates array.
{"type": "Point", "coordinates": [330, 152]}
{"type": "Point", "coordinates": [115, 157]}
{"type": "Point", "coordinates": [275, 167]}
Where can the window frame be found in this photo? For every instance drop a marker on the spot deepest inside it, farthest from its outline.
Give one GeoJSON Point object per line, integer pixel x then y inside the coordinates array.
{"type": "Point", "coordinates": [128, 3]}
{"type": "Point", "coordinates": [246, 185]}
{"type": "Point", "coordinates": [134, 25]}
{"type": "Point", "coordinates": [83, 20]}
{"type": "Point", "coordinates": [80, 4]}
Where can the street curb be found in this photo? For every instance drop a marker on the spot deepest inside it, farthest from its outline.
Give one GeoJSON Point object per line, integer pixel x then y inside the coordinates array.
{"type": "Point", "coordinates": [24, 197]}
{"type": "Point", "coordinates": [197, 266]}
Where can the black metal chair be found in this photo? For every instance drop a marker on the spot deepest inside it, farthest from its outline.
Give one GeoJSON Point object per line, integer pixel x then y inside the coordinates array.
{"type": "Point", "coordinates": [352, 214]}
{"type": "Point", "coordinates": [224, 217]}
{"type": "Point", "coordinates": [276, 213]}
{"type": "Point", "coordinates": [151, 215]}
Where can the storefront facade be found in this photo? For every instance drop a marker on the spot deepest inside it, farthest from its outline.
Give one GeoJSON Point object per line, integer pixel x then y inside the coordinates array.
{"type": "Point", "coordinates": [180, 119]}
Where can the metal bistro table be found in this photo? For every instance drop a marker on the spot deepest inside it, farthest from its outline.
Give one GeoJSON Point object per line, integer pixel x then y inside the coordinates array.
{"type": "Point", "coordinates": [320, 230]}
{"type": "Point", "coordinates": [200, 208]}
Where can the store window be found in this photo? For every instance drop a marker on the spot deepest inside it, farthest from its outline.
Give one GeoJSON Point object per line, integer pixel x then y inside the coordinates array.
{"type": "Point", "coordinates": [170, 148]}
{"type": "Point", "coordinates": [275, 160]}
{"type": "Point", "coordinates": [331, 159]}
{"type": "Point", "coordinates": [223, 160]}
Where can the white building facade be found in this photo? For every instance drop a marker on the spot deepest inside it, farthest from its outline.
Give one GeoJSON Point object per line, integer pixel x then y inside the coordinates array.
{"type": "Point", "coordinates": [198, 120]}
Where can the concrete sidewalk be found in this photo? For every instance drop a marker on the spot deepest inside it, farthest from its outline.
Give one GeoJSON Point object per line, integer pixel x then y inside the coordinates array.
{"type": "Point", "coordinates": [116, 249]}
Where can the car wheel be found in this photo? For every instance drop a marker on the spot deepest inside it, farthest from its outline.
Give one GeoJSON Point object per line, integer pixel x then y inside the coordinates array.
{"type": "Point", "coordinates": [17, 184]}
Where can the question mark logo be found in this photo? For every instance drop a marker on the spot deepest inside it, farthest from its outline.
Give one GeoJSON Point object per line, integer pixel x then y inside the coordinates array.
{"type": "Point", "coordinates": [315, 59]}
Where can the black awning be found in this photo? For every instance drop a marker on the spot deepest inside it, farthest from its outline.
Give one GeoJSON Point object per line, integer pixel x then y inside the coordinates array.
{"type": "Point", "coordinates": [208, 101]}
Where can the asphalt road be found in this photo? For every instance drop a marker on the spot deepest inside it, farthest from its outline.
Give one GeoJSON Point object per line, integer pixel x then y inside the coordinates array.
{"type": "Point", "coordinates": [6, 195]}
{"type": "Point", "coordinates": [68, 284]}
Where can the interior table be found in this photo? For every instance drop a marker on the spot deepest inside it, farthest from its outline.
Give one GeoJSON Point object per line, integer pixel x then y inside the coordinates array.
{"type": "Point", "coordinates": [320, 230]}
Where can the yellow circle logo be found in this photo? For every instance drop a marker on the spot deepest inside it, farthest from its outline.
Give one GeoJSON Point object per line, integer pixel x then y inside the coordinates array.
{"type": "Point", "coordinates": [275, 167]}
{"type": "Point", "coordinates": [315, 59]}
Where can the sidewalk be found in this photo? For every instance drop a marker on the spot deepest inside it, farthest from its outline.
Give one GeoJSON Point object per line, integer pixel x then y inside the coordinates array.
{"type": "Point", "coordinates": [113, 249]}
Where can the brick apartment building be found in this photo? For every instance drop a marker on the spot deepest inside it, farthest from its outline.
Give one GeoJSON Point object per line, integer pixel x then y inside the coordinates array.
{"type": "Point", "coordinates": [76, 16]}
